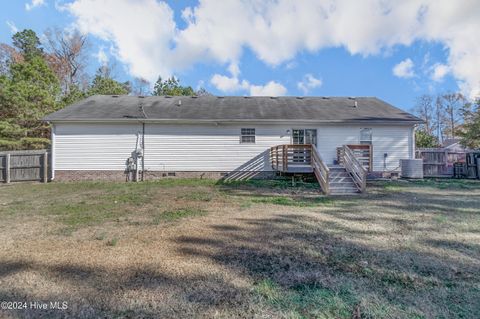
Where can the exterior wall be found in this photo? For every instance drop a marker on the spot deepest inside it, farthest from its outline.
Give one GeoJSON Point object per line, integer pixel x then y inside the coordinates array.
{"type": "Point", "coordinates": [208, 148]}
{"type": "Point", "coordinates": [94, 146]}
{"type": "Point", "coordinates": [395, 141]}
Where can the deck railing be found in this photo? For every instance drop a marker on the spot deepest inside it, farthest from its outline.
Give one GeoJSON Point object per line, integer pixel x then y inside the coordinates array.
{"type": "Point", "coordinates": [289, 156]}
{"type": "Point", "coordinates": [363, 153]}
{"type": "Point", "coordinates": [321, 171]}
{"type": "Point", "coordinates": [293, 158]}
{"type": "Point", "coordinates": [355, 168]}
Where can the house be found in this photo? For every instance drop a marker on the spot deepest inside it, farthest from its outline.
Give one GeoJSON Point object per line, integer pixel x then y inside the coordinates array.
{"type": "Point", "coordinates": [108, 137]}
{"type": "Point", "coordinates": [453, 145]}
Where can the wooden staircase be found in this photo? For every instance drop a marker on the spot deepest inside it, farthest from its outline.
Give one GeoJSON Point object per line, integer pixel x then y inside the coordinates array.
{"type": "Point", "coordinates": [348, 178]}
{"type": "Point", "coordinates": [341, 182]}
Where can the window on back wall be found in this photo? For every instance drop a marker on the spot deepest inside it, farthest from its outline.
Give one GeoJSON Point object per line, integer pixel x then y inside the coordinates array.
{"type": "Point", "coordinates": [366, 136]}
{"type": "Point", "coordinates": [247, 136]}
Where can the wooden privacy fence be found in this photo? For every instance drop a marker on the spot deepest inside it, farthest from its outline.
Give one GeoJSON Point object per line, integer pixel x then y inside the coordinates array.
{"type": "Point", "coordinates": [16, 166]}
{"type": "Point", "coordinates": [438, 162]}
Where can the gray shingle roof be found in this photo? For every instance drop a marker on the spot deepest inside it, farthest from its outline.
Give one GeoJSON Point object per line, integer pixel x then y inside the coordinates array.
{"type": "Point", "coordinates": [233, 108]}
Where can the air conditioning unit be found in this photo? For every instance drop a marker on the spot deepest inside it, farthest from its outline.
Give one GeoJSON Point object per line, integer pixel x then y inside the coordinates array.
{"type": "Point", "coordinates": [411, 168]}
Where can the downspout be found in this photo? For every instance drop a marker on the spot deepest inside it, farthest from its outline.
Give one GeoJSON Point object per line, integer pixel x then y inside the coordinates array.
{"type": "Point", "coordinates": [143, 149]}
{"type": "Point", "coordinates": [52, 152]}
{"type": "Point", "coordinates": [143, 139]}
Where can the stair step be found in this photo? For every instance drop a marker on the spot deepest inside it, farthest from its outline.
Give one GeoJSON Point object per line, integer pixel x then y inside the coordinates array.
{"type": "Point", "coordinates": [343, 184]}
{"type": "Point", "coordinates": [340, 179]}
{"type": "Point", "coordinates": [345, 174]}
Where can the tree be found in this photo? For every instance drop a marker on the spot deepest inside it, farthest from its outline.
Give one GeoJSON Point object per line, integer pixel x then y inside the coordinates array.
{"type": "Point", "coordinates": [451, 105]}
{"type": "Point", "coordinates": [139, 87]}
{"type": "Point", "coordinates": [425, 110]}
{"type": "Point", "coordinates": [29, 92]}
{"type": "Point", "coordinates": [28, 43]}
{"type": "Point", "coordinates": [103, 84]}
{"type": "Point", "coordinates": [202, 92]}
{"type": "Point", "coordinates": [67, 57]}
{"type": "Point", "coordinates": [172, 87]}
{"type": "Point", "coordinates": [470, 133]}
{"type": "Point", "coordinates": [424, 139]}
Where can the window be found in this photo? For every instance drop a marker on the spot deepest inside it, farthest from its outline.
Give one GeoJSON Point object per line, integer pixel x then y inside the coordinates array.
{"type": "Point", "coordinates": [366, 136]}
{"type": "Point", "coordinates": [304, 136]}
{"type": "Point", "coordinates": [248, 136]}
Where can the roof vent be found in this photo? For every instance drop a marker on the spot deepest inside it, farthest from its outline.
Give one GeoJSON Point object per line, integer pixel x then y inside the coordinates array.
{"type": "Point", "coordinates": [141, 96]}
{"type": "Point", "coordinates": [274, 97]}
{"type": "Point", "coordinates": [168, 96]}
{"type": "Point", "coordinates": [300, 97]}
{"type": "Point", "coordinates": [355, 104]}
{"type": "Point", "coordinates": [114, 95]}
{"type": "Point", "coordinates": [325, 97]}
{"type": "Point", "coordinates": [220, 97]}
{"type": "Point", "coordinates": [246, 97]}
{"type": "Point", "coordinates": [194, 96]}
{"type": "Point", "coordinates": [179, 103]}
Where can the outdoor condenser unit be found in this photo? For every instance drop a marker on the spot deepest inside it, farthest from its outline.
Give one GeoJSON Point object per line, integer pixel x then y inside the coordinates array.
{"type": "Point", "coordinates": [411, 168]}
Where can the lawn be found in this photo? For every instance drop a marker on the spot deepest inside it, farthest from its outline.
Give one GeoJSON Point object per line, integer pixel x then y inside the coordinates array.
{"type": "Point", "coordinates": [201, 249]}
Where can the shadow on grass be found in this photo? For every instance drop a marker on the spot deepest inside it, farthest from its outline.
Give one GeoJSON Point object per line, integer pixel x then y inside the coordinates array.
{"type": "Point", "coordinates": [103, 293]}
{"type": "Point", "coordinates": [302, 263]}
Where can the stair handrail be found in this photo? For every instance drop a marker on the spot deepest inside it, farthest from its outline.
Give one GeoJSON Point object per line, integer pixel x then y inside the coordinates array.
{"type": "Point", "coordinates": [355, 168]}
{"type": "Point", "coordinates": [321, 171]}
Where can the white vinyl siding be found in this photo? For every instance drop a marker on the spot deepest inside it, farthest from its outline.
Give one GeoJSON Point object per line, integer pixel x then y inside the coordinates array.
{"type": "Point", "coordinates": [209, 147]}
{"type": "Point", "coordinates": [396, 141]}
{"type": "Point", "coordinates": [196, 147]}
{"type": "Point", "coordinates": [94, 146]}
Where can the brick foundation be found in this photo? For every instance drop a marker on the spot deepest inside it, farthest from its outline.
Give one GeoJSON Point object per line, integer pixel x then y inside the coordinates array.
{"type": "Point", "coordinates": [121, 176]}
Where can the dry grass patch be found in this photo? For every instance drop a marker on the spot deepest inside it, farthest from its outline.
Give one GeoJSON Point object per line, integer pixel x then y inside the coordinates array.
{"type": "Point", "coordinates": [266, 249]}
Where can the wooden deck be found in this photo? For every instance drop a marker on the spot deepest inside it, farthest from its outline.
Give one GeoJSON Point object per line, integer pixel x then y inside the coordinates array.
{"type": "Point", "coordinates": [293, 158]}
{"type": "Point", "coordinates": [305, 159]}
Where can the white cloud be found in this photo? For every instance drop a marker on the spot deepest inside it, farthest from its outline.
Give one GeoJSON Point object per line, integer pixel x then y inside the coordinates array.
{"type": "Point", "coordinates": [141, 31]}
{"type": "Point", "coordinates": [13, 28]}
{"type": "Point", "coordinates": [439, 72]}
{"type": "Point", "coordinates": [308, 83]}
{"type": "Point", "coordinates": [101, 56]}
{"type": "Point", "coordinates": [232, 84]}
{"type": "Point", "coordinates": [150, 42]}
{"type": "Point", "coordinates": [272, 88]}
{"type": "Point", "coordinates": [229, 84]}
{"type": "Point", "coordinates": [404, 69]}
{"type": "Point", "coordinates": [34, 4]}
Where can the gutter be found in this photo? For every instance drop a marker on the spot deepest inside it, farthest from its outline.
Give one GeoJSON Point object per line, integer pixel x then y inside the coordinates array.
{"type": "Point", "coordinates": [232, 121]}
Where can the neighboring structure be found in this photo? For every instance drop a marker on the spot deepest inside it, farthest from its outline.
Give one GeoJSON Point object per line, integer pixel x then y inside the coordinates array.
{"type": "Point", "coordinates": [216, 136]}
{"type": "Point", "coordinates": [453, 145]}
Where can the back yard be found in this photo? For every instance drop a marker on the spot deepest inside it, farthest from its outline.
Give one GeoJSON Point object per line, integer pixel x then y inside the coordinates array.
{"type": "Point", "coordinates": [196, 248]}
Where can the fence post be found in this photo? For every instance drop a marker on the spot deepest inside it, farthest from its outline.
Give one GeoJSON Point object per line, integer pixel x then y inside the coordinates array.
{"type": "Point", "coordinates": [45, 167]}
{"type": "Point", "coordinates": [7, 168]}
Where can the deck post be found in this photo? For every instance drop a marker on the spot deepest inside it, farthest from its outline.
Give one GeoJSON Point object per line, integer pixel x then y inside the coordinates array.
{"type": "Point", "coordinates": [276, 155]}
{"type": "Point", "coordinates": [45, 167]}
{"type": "Point", "coordinates": [7, 168]}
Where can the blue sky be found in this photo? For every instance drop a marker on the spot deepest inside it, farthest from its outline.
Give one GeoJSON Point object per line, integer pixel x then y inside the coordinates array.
{"type": "Point", "coordinates": [280, 47]}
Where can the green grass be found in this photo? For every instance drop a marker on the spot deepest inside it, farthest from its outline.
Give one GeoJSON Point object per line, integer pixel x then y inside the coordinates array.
{"type": "Point", "coordinates": [438, 183]}
{"type": "Point", "coordinates": [197, 196]}
{"type": "Point", "coordinates": [307, 301]}
{"type": "Point", "coordinates": [297, 202]}
{"type": "Point", "coordinates": [277, 183]}
{"type": "Point", "coordinates": [173, 215]}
